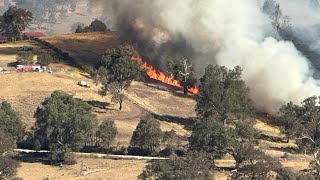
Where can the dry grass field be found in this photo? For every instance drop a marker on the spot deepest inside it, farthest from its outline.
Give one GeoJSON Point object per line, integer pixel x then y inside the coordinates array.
{"type": "Point", "coordinates": [98, 169]}
{"type": "Point", "coordinates": [85, 48]}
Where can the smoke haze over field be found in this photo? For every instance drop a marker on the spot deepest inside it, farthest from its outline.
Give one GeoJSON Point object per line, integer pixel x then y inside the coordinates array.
{"type": "Point", "coordinates": [222, 32]}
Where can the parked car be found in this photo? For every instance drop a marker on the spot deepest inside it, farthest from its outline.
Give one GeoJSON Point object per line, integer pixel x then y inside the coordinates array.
{"type": "Point", "coordinates": [83, 84]}
{"type": "Point", "coordinates": [37, 68]}
{"type": "Point", "coordinates": [26, 48]}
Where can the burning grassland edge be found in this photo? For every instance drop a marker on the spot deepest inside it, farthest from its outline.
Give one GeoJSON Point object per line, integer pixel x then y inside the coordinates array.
{"type": "Point", "coordinates": [160, 76]}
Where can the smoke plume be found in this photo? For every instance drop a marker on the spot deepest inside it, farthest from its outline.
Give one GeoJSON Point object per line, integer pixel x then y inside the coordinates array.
{"type": "Point", "coordinates": [220, 32]}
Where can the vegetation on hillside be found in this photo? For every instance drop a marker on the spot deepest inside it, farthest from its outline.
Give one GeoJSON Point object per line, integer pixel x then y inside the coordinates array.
{"type": "Point", "coordinates": [8, 166]}
{"type": "Point", "coordinates": [25, 58]}
{"type": "Point", "coordinates": [117, 71]}
{"type": "Point", "coordinates": [147, 134]}
{"type": "Point", "coordinates": [106, 133]}
{"type": "Point", "coordinates": [223, 95]}
{"type": "Point", "coordinates": [10, 122]}
{"type": "Point", "coordinates": [45, 59]}
{"type": "Point", "coordinates": [195, 165]}
{"type": "Point", "coordinates": [62, 125]}
{"type": "Point", "coordinates": [95, 26]}
{"type": "Point", "coordinates": [11, 131]}
{"type": "Point", "coordinates": [301, 122]}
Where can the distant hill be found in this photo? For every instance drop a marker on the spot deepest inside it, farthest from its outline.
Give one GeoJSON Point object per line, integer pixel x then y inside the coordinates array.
{"type": "Point", "coordinates": [85, 48]}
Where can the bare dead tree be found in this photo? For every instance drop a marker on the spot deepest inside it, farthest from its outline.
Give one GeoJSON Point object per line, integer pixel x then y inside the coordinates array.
{"type": "Point", "coordinates": [185, 73]}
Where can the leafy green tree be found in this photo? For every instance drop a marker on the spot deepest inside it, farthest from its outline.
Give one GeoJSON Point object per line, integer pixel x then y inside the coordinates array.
{"type": "Point", "coordinates": [10, 121]}
{"type": "Point", "coordinates": [289, 119]}
{"type": "Point", "coordinates": [25, 58]}
{"type": "Point", "coordinates": [195, 165]}
{"type": "Point", "coordinates": [45, 59]}
{"type": "Point", "coordinates": [63, 124]}
{"type": "Point", "coordinates": [308, 135]}
{"type": "Point", "coordinates": [107, 132]}
{"type": "Point", "coordinates": [147, 134]}
{"type": "Point", "coordinates": [98, 26]}
{"type": "Point", "coordinates": [8, 166]}
{"type": "Point", "coordinates": [117, 71]}
{"type": "Point", "coordinates": [95, 26]}
{"type": "Point", "coordinates": [182, 72]}
{"type": "Point", "coordinates": [171, 140]}
{"type": "Point", "coordinates": [258, 166]}
{"type": "Point", "coordinates": [222, 93]}
{"type": "Point", "coordinates": [303, 123]}
{"type": "Point", "coordinates": [79, 29]}
{"type": "Point", "coordinates": [209, 135]}
{"type": "Point", "coordinates": [242, 140]}
{"type": "Point", "coordinates": [14, 21]}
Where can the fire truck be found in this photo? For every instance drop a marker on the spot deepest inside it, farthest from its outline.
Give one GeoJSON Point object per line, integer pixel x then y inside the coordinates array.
{"type": "Point", "coordinates": [28, 68]}
{"type": "Point", "coordinates": [23, 68]}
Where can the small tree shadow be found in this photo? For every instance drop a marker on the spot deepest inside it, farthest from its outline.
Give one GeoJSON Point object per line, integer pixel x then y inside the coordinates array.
{"type": "Point", "coordinates": [33, 157]}
{"type": "Point", "coordinates": [292, 150]}
{"type": "Point", "coordinates": [187, 122]}
{"type": "Point", "coordinates": [99, 104]}
{"type": "Point", "coordinates": [271, 138]}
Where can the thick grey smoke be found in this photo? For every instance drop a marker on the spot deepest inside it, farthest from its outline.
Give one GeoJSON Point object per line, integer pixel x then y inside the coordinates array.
{"type": "Point", "coordinates": [220, 32]}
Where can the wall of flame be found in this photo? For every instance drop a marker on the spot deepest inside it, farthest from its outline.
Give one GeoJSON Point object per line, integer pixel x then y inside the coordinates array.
{"type": "Point", "coordinates": [160, 76]}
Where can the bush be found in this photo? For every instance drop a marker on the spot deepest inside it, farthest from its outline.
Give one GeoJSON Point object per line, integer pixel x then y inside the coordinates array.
{"type": "Point", "coordinates": [285, 174]}
{"type": "Point", "coordinates": [69, 159]}
{"type": "Point", "coordinates": [107, 132]}
{"type": "Point", "coordinates": [195, 165]}
{"type": "Point", "coordinates": [45, 59]}
{"type": "Point", "coordinates": [25, 58]}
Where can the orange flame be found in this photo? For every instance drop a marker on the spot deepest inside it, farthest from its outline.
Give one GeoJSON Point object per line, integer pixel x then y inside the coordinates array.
{"type": "Point", "coordinates": [160, 76]}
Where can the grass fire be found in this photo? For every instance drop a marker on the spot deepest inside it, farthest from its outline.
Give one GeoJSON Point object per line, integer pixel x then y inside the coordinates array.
{"type": "Point", "coordinates": [160, 76]}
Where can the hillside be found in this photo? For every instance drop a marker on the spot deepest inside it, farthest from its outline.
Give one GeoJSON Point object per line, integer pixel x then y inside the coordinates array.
{"type": "Point", "coordinates": [26, 91]}
{"type": "Point", "coordinates": [85, 48]}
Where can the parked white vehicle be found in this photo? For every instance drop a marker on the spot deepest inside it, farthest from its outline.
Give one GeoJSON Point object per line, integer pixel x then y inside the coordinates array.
{"type": "Point", "coordinates": [83, 84]}
{"type": "Point", "coordinates": [1, 69]}
{"type": "Point", "coordinates": [37, 68]}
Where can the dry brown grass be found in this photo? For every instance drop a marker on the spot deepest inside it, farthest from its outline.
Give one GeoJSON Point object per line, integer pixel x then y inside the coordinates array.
{"type": "Point", "coordinates": [101, 168]}
{"type": "Point", "coordinates": [85, 48]}
{"type": "Point", "coordinates": [157, 99]}
{"type": "Point", "coordinates": [267, 129]}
